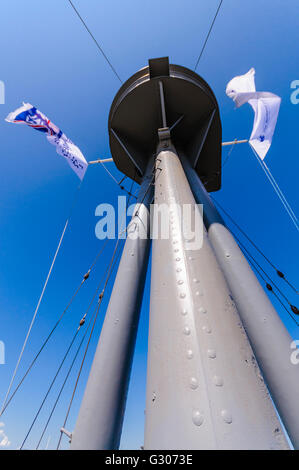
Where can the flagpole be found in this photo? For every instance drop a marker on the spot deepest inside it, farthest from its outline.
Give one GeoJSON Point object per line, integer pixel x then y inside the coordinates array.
{"type": "Point", "coordinates": [224, 144]}
{"type": "Point", "coordinates": [105, 160]}
{"type": "Point", "coordinates": [40, 298]}
{"type": "Point", "coordinates": [233, 142]}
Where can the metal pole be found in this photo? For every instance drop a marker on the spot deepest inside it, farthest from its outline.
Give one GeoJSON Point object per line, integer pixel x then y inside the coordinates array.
{"type": "Point", "coordinates": [204, 387]}
{"type": "Point", "coordinates": [269, 338]}
{"type": "Point", "coordinates": [105, 160]}
{"type": "Point", "coordinates": [233, 142]}
{"type": "Point", "coordinates": [100, 419]}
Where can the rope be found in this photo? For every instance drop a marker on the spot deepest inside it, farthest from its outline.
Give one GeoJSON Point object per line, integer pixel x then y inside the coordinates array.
{"type": "Point", "coordinates": [40, 299]}
{"type": "Point", "coordinates": [277, 190]}
{"type": "Point", "coordinates": [270, 279]}
{"type": "Point", "coordinates": [112, 264]}
{"type": "Point", "coordinates": [254, 263]}
{"type": "Point", "coordinates": [63, 385]}
{"type": "Point", "coordinates": [82, 321]}
{"type": "Point", "coordinates": [94, 39]}
{"type": "Point", "coordinates": [85, 277]}
{"type": "Point", "coordinates": [119, 183]}
{"type": "Point", "coordinates": [88, 343]}
{"type": "Point", "coordinates": [72, 364]}
{"type": "Point", "coordinates": [100, 300]}
{"type": "Point", "coordinates": [208, 35]}
{"type": "Point", "coordinates": [278, 272]}
{"type": "Point", "coordinates": [79, 373]}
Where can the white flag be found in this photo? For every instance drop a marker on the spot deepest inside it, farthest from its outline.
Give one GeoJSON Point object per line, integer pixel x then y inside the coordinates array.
{"type": "Point", "coordinates": [265, 106]}
{"type": "Point", "coordinates": [31, 116]}
{"type": "Point", "coordinates": [67, 149]}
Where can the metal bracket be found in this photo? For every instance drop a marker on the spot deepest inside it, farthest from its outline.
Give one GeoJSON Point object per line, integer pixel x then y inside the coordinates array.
{"type": "Point", "coordinates": [67, 433]}
{"type": "Point", "coordinates": [164, 137]}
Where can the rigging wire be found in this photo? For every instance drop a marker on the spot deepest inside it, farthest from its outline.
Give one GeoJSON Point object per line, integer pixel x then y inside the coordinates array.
{"type": "Point", "coordinates": [277, 190]}
{"type": "Point", "coordinates": [95, 41]}
{"type": "Point", "coordinates": [278, 272]}
{"type": "Point", "coordinates": [99, 304]}
{"type": "Point", "coordinates": [293, 308]}
{"type": "Point", "coordinates": [80, 370]}
{"type": "Point", "coordinates": [208, 35]}
{"type": "Point", "coordinates": [63, 385]}
{"type": "Point", "coordinates": [85, 277]}
{"type": "Point", "coordinates": [81, 323]}
{"type": "Point", "coordinates": [254, 264]}
{"type": "Point", "coordinates": [119, 183]}
{"type": "Point", "coordinates": [73, 204]}
{"type": "Point", "coordinates": [89, 339]}
{"type": "Point", "coordinates": [73, 361]}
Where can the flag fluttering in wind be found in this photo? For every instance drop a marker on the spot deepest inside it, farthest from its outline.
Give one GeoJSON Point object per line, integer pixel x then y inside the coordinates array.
{"type": "Point", "coordinates": [265, 106]}
{"type": "Point", "coordinates": [30, 115]}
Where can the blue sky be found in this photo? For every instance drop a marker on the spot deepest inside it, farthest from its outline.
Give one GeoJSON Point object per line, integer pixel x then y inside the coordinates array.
{"type": "Point", "coordinates": [48, 59]}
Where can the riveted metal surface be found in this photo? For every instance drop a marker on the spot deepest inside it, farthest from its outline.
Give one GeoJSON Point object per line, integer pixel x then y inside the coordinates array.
{"type": "Point", "coordinates": [209, 393]}
{"type": "Point", "coordinates": [268, 335]}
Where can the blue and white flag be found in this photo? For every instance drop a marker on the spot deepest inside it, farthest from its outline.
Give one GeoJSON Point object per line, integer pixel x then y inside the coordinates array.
{"type": "Point", "coordinates": [30, 115]}
{"type": "Point", "coordinates": [265, 106]}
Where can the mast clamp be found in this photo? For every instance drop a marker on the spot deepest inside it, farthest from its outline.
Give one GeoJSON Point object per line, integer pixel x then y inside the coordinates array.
{"type": "Point", "coordinates": [67, 433]}
{"type": "Point", "coordinates": [164, 138]}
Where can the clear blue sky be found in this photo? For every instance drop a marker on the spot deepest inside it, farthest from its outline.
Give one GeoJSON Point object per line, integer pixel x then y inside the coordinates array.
{"type": "Point", "coordinates": [48, 59]}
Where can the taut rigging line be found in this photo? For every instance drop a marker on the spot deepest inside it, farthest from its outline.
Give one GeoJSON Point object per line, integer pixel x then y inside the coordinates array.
{"type": "Point", "coordinates": [85, 277]}
{"type": "Point", "coordinates": [278, 272]}
{"type": "Point", "coordinates": [258, 269]}
{"type": "Point", "coordinates": [72, 364]}
{"type": "Point", "coordinates": [208, 35]}
{"type": "Point", "coordinates": [89, 339]}
{"type": "Point", "coordinates": [95, 41]}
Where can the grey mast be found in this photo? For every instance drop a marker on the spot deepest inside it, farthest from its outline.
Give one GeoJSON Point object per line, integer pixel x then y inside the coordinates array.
{"type": "Point", "coordinates": [204, 386]}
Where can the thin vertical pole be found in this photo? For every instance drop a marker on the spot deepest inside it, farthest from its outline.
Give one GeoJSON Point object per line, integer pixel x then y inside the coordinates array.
{"type": "Point", "coordinates": [100, 419]}
{"type": "Point", "coordinates": [162, 101]}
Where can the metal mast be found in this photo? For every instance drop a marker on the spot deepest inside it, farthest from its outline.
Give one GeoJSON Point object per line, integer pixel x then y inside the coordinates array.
{"type": "Point", "coordinates": [268, 336]}
{"type": "Point", "coordinates": [101, 414]}
{"type": "Point", "coordinates": [205, 389]}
